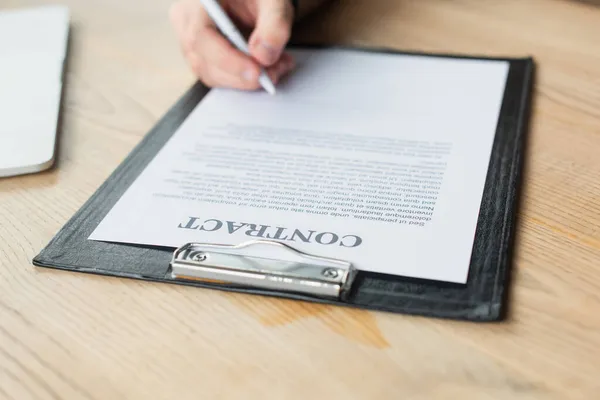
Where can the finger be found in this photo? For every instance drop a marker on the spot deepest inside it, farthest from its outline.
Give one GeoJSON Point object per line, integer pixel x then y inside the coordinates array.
{"type": "Point", "coordinates": [178, 15]}
{"type": "Point", "coordinates": [272, 31]}
{"type": "Point", "coordinates": [186, 18]}
{"type": "Point", "coordinates": [220, 78]}
{"type": "Point", "coordinates": [216, 78]}
{"type": "Point", "coordinates": [211, 57]}
{"type": "Point", "coordinates": [282, 67]}
{"type": "Point", "coordinates": [224, 65]}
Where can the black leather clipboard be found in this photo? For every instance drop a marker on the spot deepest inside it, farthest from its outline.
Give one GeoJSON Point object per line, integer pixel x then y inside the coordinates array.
{"type": "Point", "coordinates": [482, 298]}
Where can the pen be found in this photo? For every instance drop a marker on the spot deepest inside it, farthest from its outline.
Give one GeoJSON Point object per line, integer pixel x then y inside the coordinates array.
{"type": "Point", "coordinates": [228, 29]}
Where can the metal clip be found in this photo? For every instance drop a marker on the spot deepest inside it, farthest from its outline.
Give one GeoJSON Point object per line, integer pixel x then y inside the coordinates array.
{"type": "Point", "coordinates": [263, 264]}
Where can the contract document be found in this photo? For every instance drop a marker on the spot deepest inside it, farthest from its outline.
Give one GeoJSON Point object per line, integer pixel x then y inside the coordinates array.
{"type": "Point", "coordinates": [375, 158]}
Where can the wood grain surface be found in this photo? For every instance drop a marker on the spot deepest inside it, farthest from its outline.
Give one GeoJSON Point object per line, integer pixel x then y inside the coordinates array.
{"type": "Point", "coordinates": [75, 336]}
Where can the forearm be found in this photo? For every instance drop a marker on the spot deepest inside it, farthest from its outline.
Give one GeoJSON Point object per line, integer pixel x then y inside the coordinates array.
{"type": "Point", "coordinates": [305, 7]}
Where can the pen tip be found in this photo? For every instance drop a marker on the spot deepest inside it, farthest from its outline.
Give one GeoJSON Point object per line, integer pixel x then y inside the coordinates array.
{"type": "Point", "coordinates": [270, 88]}
{"type": "Point", "coordinates": [267, 85]}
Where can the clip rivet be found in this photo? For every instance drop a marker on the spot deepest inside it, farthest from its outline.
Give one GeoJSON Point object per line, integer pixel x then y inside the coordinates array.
{"type": "Point", "coordinates": [200, 256]}
{"type": "Point", "coordinates": [330, 273]}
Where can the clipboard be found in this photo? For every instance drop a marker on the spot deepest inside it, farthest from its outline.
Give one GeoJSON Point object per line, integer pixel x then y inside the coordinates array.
{"type": "Point", "coordinates": [241, 269]}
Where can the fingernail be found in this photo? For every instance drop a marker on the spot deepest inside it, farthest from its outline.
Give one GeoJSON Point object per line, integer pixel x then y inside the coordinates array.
{"type": "Point", "coordinates": [270, 52]}
{"type": "Point", "coordinates": [282, 69]}
{"type": "Point", "coordinates": [249, 75]}
{"type": "Point", "coordinates": [291, 64]}
{"type": "Point", "coordinates": [287, 65]}
{"type": "Point", "coordinates": [288, 60]}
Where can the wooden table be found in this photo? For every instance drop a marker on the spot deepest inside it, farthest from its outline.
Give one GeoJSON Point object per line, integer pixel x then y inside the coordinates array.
{"type": "Point", "coordinates": [75, 336]}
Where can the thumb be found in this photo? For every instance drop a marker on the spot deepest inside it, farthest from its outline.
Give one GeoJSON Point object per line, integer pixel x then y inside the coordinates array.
{"type": "Point", "coordinates": [272, 31]}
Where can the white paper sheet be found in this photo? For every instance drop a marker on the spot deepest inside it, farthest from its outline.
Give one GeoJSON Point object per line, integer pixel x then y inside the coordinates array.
{"type": "Point", "coordinates": [378, 159]}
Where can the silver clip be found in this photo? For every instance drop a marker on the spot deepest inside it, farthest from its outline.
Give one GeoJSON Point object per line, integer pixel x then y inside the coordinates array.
{"type": "Point", "coordinates": [263, 264]}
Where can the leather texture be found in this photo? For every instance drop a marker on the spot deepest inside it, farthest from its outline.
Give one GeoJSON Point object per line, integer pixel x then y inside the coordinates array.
{"type": "Point", "coordinates": [482, 298]}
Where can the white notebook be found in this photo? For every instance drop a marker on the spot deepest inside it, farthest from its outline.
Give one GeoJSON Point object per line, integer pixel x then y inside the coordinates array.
{"type": "Point", "coordinates": [33, 46]}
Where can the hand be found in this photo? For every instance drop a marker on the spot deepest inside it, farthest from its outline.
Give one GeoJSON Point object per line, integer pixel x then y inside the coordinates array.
{"type": "Point", "coordinates": [215, 61]}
